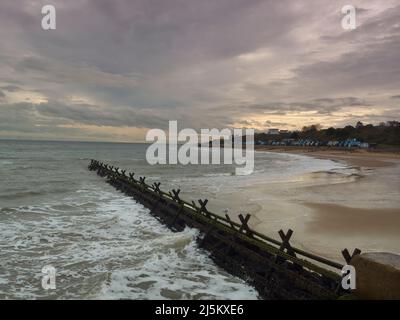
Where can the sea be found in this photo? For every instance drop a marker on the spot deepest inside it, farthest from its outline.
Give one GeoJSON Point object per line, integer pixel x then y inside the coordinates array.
{"type": "Point", "coordinates": [102, 244]}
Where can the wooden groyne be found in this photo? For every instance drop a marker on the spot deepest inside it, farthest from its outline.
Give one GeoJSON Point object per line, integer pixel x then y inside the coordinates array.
{"type": "Point", "coordinates": [274, 267]}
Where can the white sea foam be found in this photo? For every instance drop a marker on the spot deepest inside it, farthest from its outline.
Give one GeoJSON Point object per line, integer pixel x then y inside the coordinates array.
{"type": "Point", "coordinates": [111, 250]}
{"type": "Point", "coordinates": [104, 244]}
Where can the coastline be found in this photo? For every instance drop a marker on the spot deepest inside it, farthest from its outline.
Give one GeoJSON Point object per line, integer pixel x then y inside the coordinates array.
{"type": "Point", "coordinates": [354, 157]}
{"type": "Point", "coordinates": [329, 215]}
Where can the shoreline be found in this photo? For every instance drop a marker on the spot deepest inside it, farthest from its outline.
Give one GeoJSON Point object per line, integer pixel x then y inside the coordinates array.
{"type": "Point", "coordinates": [363, 213]}
{"type": "Point", "coordinates": [354, 157]}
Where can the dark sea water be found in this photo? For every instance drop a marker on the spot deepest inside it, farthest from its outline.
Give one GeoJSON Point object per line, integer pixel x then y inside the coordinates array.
{"type": "Point", "coordinates": [53, 211]}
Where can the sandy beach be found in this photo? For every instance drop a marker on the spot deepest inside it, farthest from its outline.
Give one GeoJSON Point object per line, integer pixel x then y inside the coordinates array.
{"type": "Point", "coordinates": [356, 157]}
{"type": "Point", "coordinates": [329, 211]}
{"type": "Point", "coordinates": [363, 212]}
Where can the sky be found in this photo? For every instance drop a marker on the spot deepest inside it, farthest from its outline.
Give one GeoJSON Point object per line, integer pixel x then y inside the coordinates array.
{"type": "Point", "coordinates": [112, 70]}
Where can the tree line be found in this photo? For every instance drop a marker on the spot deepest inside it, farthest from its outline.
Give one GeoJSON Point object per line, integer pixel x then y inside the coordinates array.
{"type": "Point", "coordinates": [384, 134]}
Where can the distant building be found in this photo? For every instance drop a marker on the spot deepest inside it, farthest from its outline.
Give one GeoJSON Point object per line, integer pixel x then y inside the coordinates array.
{"type": "Point", "coordinates": [273, 131]}
{"type": "Point", "coordinates": [283, 131]}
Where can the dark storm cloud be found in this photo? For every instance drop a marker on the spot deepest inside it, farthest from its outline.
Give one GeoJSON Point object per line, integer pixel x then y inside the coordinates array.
{"type": "Point", "coordinates": [204, 63]}
{"type": "Point", "coordinates": [321, 105]}
{"type": "Point", "coordinates": [11, 88]}
{"type": "Point", "coordinates": [371, 69]}
{"type": "Point", "coordinates": [20, 120]}
{"type": "Point", "coordinates": [375, 64]}
{"type": "Point", "coordinates": [156, 36]}
{"type": "Point", "coordinates": [33, 63]}
{"type": "Point", "coordinates": [95, 115]}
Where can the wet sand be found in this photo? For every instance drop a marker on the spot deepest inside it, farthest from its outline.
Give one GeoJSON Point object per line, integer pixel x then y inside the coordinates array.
{"type": "Point", "coordinates": [330, 211]}
{"type": "Point", "coordinates": [338, 219]}
{"type": "Point", "coordinates": [363, 212]}
{"type": "Point", "coordinates": [358, 157]}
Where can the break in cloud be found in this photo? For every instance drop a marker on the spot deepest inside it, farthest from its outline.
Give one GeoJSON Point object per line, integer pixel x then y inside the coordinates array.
{"type": "Point", "coordinates": [113, 69]}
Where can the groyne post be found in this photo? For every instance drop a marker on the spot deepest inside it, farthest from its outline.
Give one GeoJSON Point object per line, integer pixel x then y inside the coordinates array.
{"type": "Point", "coordinates": [275, 268]}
